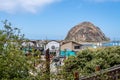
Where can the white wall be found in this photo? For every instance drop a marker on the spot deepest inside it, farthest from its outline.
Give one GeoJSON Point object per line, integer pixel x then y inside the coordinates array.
{"type": "Point", "coordinates": [53, 43]}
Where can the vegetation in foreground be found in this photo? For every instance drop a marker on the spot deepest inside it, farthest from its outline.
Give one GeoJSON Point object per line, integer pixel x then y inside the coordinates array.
{"type": "Point", "coordinates": [14, 65]}
{"type": "Point", "coordinates": [87, 60]}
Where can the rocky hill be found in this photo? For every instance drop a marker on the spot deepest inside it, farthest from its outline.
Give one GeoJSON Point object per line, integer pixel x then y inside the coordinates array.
{"type": "Point", "coordinates": [86, 32]}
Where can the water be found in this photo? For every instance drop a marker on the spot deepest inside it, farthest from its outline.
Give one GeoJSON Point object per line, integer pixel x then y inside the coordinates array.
{"type": "Point", "coordinates": [105, 44]}
{"type": "Point", "coordinates": [112, 43]}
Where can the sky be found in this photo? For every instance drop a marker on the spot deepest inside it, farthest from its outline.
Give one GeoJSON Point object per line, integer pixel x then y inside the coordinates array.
{"type": "Point", "coordinates": [52, 19]}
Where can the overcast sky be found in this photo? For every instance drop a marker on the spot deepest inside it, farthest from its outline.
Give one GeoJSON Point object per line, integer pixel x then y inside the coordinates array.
{"type": "Point", "coordinates": [52, 19]}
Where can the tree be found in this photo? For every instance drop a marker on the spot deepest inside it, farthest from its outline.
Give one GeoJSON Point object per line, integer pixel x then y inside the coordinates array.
{"type": "Point", "coordinates": [14, 64]}
{"type": "Point", "coordinates": [86, 60]}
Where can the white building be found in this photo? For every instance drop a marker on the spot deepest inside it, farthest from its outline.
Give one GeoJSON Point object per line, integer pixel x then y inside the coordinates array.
{"type": "Point", "coordinates": [28, 44]}
{"type": "Point", "coordinates": [53, 47]}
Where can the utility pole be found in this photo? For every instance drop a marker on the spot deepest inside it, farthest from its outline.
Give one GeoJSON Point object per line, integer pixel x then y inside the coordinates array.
{"type": "Point", "coordinates": [47, 56]}
{"type": "Point", "coordinates": [76, 76]}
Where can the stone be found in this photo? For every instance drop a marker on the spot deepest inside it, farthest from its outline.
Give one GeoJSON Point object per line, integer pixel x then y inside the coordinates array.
{"type": "Point", "coordinates": [86, 32]}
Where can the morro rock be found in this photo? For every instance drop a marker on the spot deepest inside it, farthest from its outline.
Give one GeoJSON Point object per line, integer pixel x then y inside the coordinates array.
{"type": "Point", "coordinates": [86, 32]}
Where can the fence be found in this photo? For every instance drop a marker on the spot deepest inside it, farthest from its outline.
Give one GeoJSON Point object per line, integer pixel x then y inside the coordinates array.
{"type": "Point", "coordinates": [112, 73]}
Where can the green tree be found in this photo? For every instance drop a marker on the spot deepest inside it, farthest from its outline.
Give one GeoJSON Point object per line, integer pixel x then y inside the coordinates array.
{"type": "Point", "coordinates": [14, 64]}
{"type": "Point", "coordinates": [87, 60]}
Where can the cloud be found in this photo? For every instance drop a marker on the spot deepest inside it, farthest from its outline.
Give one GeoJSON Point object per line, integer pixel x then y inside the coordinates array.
{"type": "Point", "coordinates": [24, 5]}
{"type": "Point", "coordinates": [98, 1]}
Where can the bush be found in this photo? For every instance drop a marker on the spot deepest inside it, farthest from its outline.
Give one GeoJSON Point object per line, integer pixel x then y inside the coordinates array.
{"type": "Point", "coordinates": [86, 60]}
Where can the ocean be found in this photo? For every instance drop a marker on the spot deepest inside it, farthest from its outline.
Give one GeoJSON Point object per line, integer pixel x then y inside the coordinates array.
{"type": "Point", "coordinates": [112, 43]}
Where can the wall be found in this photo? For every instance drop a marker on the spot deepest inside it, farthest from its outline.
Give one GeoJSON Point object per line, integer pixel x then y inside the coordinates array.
{"type": "Point", "coordinates": [66, 46]}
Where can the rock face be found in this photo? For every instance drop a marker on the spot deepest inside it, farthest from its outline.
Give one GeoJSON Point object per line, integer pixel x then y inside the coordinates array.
{"type": "Point", "coordinates": [86, 32]}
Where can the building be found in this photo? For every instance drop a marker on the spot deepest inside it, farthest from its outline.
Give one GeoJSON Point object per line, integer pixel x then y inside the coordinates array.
{"type": "Point", "coordinates": [54, 47]}
{"type": "Point", "coordinates": [28, 44]}
{"type": "Point", "coordinates": [71, 46]}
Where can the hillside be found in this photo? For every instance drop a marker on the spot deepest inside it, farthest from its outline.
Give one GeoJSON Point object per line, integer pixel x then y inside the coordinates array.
{"type": "Point", "coordinates": [86, 32]}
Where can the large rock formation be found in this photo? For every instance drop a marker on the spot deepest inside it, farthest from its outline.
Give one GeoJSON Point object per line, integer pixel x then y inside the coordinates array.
{"type": "Point", "coordinates": [86, 32]}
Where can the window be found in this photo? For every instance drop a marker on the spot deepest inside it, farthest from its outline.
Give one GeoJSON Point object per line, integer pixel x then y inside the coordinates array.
{"type": "Point", "coordinates": [53, 53]}
{"type": "Point", "coordinates": [76, 47]}
{"type": "Point", "coordinates": [52, 47]}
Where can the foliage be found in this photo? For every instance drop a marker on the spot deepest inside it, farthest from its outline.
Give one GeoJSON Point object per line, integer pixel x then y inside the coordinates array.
{"type": "Point", "coordinates": [14, 65]}
{"type": "Point", "coordinates": [86, 61]}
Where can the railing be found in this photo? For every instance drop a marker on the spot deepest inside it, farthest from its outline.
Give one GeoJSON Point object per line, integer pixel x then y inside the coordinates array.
{"type": "Point", "coordinates": [112, 73]}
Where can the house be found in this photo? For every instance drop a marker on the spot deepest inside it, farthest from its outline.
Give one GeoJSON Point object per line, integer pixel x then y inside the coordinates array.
{"type": "Point", "coordinates": [27, 47]}
{"type": "Point", "coordinates": [54, 47]}
{"type": "Point", "coordinates": [28, 44]}
{"type": "Point", "coordinates": [40, 43]}
{"type": "Point", "coordinates": [71, 46]}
